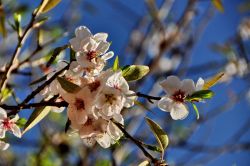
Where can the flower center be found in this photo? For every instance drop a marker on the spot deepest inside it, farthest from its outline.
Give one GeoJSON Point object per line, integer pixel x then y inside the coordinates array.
{"type": "Point", "coordinates": [79, 103]}
{"type": "Point", "coordinates": [110, 98]}
{"type": "Point", "coordinates": [179, 96]}
{"type": "Point", "coordinates": [7, 124]}
{"type": "Point", "coordinates": [94, 85]}
{"type": "Point", "coordinates": [89, 122]}
{"type": "Point", "coordinates": [116, 86]}
{"type": "Point", "coordinates": [91, 55]}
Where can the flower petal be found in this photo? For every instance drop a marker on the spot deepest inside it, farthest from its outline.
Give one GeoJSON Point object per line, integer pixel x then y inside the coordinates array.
{"type": "Point", "coordinates": [104, 140]}
{"type": "Point", "coordinates": [102, 47]}
{"type": "Point", "coordinates": [16, 131]}
{"type": "Point", "coordinates": [171, 84]}
{"type": "Point", "coordinates": [179, 111]}
{"type": "Point", "coordinates": [101, 37]}
{"type": "Point", "coordinates": [108, 55]}
{"type": "Point", "coordinates": [165, 104]}
{"type": "Point", "coordinates": [188, 86]}
{"type": "Point", "coordinates": [82, 32]}
{"type": "Point", "coordinates": [3, 145]}
{"type": "Point", "coordinates": [15, 119]}
{"type": "Point", "coordinates": [2, 132]}
{"type": "Point", "coordinates": [199, 84]}
{"type": "Point", "coordinates": [3, 113]}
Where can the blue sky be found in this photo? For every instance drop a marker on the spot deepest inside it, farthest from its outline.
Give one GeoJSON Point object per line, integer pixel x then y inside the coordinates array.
{"type": "Point", "coordinates": [118, 18]}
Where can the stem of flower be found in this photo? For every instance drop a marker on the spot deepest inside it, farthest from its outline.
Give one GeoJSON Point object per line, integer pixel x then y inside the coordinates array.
{"type": "Point", "coordinates": [148, 97]}
{"type": "Point", "coordinates": [137, 143]}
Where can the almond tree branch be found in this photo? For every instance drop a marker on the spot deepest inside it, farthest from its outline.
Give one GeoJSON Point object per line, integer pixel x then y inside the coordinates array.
{"type": "Point", "coordinates": [21, 40]}
{"type": "Point", "coordinates": [155, 161]}
{"type": "Point", "coordinates": [41, 87]}
{"type": "Point", "coordinates": [34, 105]}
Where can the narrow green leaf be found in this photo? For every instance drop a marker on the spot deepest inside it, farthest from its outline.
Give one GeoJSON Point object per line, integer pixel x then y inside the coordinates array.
{"type": "Point", "coordinates": [152, 147]}
{"type": "Point", "coordinates": [103, 163]}
{"type": "Point", "coordinates": [218, 5]}
{"type": "Point", "coordinates": [40, 22]}
{"type": "Point", "coordinates": [6, 93]}
{"type": "Point", "coordinates": [3, 30]}
{"type": "Point", "coordinates": [134, 72]}
{"type": "Point", "coordinates": [159, 133]}
{"type": "Point", "coordinates": [140, 104]}
{"type": "Point", "coordinates": [68, 86]}
{"type": "Point", "coordinates": [196, 111]}
{"type": "Point", "coordinates": [37, 115]}
{"type": "Point", "coordinates": [200, 95]}
{"type": "Point", "coordinates": [21, 122]}
{"type": "Point", "coordinates": [116, 64]}
{"type": "Point", "coordinates": [17, 21]}
{"type": "Point", "coordinates": [144, 163]}
{"type": "Point", "coordinates": [208, 84]}
{"type": "Point", "coordinates": [47, 5]}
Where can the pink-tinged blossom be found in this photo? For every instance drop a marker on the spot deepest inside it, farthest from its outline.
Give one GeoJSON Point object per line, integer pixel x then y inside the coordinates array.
{"type": "Point", "coordinates": [8, 124]}
{"type": "Point", "coordinates": [91, 50]}
{"type": "Point", "coordinates": [174, 100]}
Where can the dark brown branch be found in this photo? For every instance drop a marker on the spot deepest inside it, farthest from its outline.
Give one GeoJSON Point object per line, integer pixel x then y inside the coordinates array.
{"type": "Point", "coordinates": [34, 105]}
{"type": "Point", "coordinates": [21, 39]}
{"type": "Point", "coordinates": [41, 87]}
{"type": "Point", "coordinates": [137, 143]}
{"type": "Point", "coordinates": [148, 97]}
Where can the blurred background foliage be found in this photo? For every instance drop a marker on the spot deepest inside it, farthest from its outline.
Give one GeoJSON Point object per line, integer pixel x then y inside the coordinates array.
{"type": "Point", "coordinates": [188, 38]}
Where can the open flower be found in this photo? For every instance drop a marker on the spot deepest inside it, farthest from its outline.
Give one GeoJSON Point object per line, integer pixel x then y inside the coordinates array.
{"type": "Point", "coordinates": [174, 101]}
{"type": "Point", "coordinates": [91, 50]}
{"type": "Point", "coordinates": [80, 106]}
{"type": "Point", "coordinates": [7, 124]}
{"type": "Point", "coordinates": [102, 131]}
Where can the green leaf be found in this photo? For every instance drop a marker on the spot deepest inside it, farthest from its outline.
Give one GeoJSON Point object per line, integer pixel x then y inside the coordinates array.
{"type": "Point", "coordinates": [37, 115]}
{"type": "Point", "coordinates": [6, 93]}
{"type": "Point", "coordinates": [38, 80]}
{"type": "Point", "coordinates": [21, 122]}
{"type": "Point", "coordinates": [208, 84]}
{"type": "Point", "coordinates": [140, 104]}
{"type": "Point", "coordinates": [17, 21]}
{"type": "Point", "coordinates": [159, 133]}
{"type": "Point", "coordinates": [3, 30]}
{"type": "Point", "coordinates": [144, 163]}
{"type": "Point", "coordinates": [68, 86]}
{"type": "Point", "coordinates": [55, 53]}
{"type": "Point", "coordinates": [152, 147]}
{"type": "Point", "coordinates": [116, 64]}
{"type": "Point", "coordinates": [196, 111]}
{"type": "Point", "coordinates": [47, 5]}
{"type": "Point", "coordinates": [134, 72]}
{"type": "Point", "coordinates": [200, 95]}
{"type": "Point", "coordinates": [103, 163]}
{"type": "Point", "coordinates": [218, 5]}
{"type": "Point", "coordinates": [40, 22]}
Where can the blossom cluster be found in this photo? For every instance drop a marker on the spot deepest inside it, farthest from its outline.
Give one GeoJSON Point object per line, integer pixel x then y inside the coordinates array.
{"type": "Point", "coordinates": [100, 95]}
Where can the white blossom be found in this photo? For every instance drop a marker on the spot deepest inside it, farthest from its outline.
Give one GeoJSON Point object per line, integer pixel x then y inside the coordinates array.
{"type": "Point", "coordinates": [7, 124]}
{"type": "Point", "coordinates": [244, 29]}
{"type": "Point", "coordinates": [91, 50]}
{"type": "Point", "coordinates": [174, 100]}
